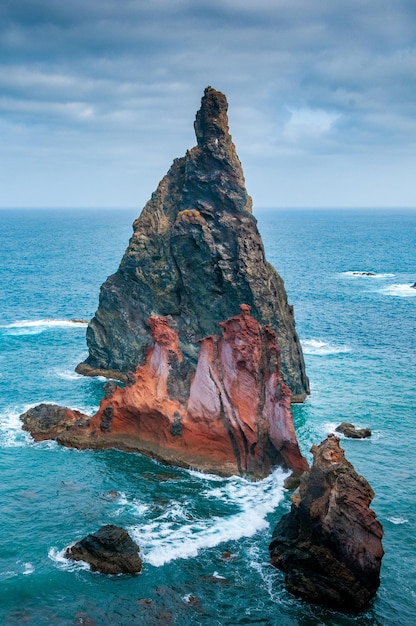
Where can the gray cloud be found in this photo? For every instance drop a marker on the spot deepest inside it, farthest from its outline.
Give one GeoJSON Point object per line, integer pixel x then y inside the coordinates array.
{"type": "Point", "coordinates": [97, 97]}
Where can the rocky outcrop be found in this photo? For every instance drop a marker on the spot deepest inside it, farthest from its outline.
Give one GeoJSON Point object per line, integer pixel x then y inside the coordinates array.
{"type": "Point", "coordinates": [349, 430]}
{"type": "Point", "coordinates": [194, 256]}
{"type": "Point", "coordinates": [364, 274]}
{"type": "Point", "coordinates": [110, 550]}
{"type": "Point", "coordinates": [329, 544]}
{"type": "Point", "coordinates": [236, 417]}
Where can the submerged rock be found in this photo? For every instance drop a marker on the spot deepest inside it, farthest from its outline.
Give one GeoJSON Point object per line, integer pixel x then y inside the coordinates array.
{"type": "Point", "coordinates": [110, 550]}
{"type": "Point", "coordinates": [194, 256]}
{"type": "Point", "coordinates": [349, 430]}
{"type": "Point", "coordinates": [329, 545]}
{"type": "Point", "coordinates": [364, 274]}
{"type": "Point", "coordinates": [236, 419]}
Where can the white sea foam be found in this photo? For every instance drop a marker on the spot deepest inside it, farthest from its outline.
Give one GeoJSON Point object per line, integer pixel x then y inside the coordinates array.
{"type": "Point", "coordinates": [365, 274]}
{"type": "Point", "coordinates": [28, 569]}
{"type": "Point", "coordinates": [267, 573]}
{"type": "Point", "coordinates": [68, 375]}
{"type": "Point", "coordinates": [35, 327]}
{"type": "Point", "coordinates": [400, 290]}
{"type": "Point", "coordinates": [398, 520]}
{"type": "Point", "coordinates": [137, 507]}
{"type": "Point", "coordinates": [11, 433]}
{"type": "Point", "coordinates": [58, 557]}
{"type": "Point", "coordinates": [179, 534]}
{"type": "Point", "coordinates": [7, 574]}
{"type": "Point", "coordinates": [316, 347]}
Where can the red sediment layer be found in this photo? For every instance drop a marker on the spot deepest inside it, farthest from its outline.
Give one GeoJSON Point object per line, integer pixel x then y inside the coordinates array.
{"type": "Point", "coordinates": [237, 418]}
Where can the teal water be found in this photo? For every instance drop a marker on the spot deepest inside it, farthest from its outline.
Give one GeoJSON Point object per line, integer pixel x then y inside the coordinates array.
{"type": "Point", "coordinates": [203, 539]}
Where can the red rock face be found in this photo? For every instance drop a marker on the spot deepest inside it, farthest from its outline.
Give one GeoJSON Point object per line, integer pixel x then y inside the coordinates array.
{"type": "Point", "coordinates": [237, 418]}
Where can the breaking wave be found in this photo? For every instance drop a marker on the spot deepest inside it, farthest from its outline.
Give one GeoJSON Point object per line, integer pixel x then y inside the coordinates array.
{"type": "Point", "coordinates": [60, 560]}
{"type": "Point", "coordinates": [11, 433]}
{"type": "Point", "coordinates": [179, 534]}
{"type": "Point", "coordinates": [400, 290]}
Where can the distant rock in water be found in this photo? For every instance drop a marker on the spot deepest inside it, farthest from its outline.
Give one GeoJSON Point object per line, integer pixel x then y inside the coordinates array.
{"type": "Point", "coordinates": [349, 430]}
{"type": "Point", "coordinates": [329, 545]}
{"type": "Point", "coordinates": [364, 274]}
{"type": "Point", "coordinates": [413, 286]}
{"type": "Point", "coordinates": [110, 550]}
{"type": "Point", "coordinates": [193, 398]}
{"type": "Point", "coordinates": [194, 257]}
{"type": "Point", "coordinates": [235, 420]}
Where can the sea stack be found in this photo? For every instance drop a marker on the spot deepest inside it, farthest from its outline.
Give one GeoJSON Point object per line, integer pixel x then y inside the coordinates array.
{"type": "Point", "coordinates": [329, 545]}
{"type": "Point", "coordinates": [194, 257]}
{"type": "Point", "coordinates": [197, 325]}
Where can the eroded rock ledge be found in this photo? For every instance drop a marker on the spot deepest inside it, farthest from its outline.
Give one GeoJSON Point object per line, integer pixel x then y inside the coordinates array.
{"type": "Point", "coordinates": [236, 419]}
{"type": "Point", "coordinates": [329, 545]}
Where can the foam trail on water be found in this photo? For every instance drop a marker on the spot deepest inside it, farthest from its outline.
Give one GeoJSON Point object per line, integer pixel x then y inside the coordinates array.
{"type": "Point", "coordinates": [316, 347]}
{"type": "Point", "coordinates": [366, 274]}
{"type": "Point", "coordinates": [178, 535]}
{"type": "Point", "coordinates": [35, 327]}
{"type": "Point", "coordinates": [398, 520]}
{"type": "Point", "coordinates": [400, 290]}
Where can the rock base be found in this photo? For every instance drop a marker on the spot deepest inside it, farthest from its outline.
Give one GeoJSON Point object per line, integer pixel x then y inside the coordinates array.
{"type": "Point", "coordinates": [236, 418]}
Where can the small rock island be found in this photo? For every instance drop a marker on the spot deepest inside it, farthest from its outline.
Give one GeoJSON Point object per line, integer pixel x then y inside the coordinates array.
{"type": "Point", "coordinates": [196, 324]}
{"type": "Point", "coordinates": [329, 545]}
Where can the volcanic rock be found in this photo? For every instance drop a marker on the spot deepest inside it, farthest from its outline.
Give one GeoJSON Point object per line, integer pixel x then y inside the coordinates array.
{"type": "Point", "coordinates": [193, 398]}
{"type": "Point", "coordinates": [235, 420]}
{"type": "Point", "coordinates": [194, 256]}
{"type": "Point", "coordinates": [329, 545]}
{"type": "Point", "coordinates": [49, 421]}
{"type": "Point", "coordinates": [110, 550]}
{"type": "Point", "coordinates": [349, 430]}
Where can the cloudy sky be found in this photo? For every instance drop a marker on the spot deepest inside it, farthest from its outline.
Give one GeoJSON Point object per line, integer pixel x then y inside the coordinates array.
{"type": "Point", "coordinates": [98, 96]}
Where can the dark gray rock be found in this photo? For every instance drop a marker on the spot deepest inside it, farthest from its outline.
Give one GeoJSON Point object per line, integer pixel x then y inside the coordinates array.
{"type": "Point", "coordinates": [194, 257]}
{"type": "Point", "coordinates": [50, 421]}
{"type": "Point", "coordinates": [110, 550]}
{"type": "Point", "coordinates": [329, 545]}
{"type": "Point", "coordinates": [349, 430]}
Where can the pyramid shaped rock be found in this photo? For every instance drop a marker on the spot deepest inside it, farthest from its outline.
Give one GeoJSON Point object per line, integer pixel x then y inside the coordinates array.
{"type": "Point", "coordinates": [197, 324]}
{"type": "Point", "coordinates": [194, 257]}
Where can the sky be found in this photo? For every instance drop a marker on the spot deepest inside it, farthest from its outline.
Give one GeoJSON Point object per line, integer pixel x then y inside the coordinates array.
{"type": "Point", "coordinates": [97, 97]}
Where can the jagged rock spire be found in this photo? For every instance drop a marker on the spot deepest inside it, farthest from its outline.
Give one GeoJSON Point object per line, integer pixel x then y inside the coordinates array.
{"type": "Point", "coordinates": [211, 123]}
{"type": "Point", "coordinates": [195, 256]}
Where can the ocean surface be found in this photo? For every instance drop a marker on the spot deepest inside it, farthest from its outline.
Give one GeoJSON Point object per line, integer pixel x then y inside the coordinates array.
{"type": "Point", "coordinates": [204, 540]}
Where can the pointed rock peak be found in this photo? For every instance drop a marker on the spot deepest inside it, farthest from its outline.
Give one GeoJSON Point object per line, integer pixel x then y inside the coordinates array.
{"type": "Point", "coordinates": [211, 123]}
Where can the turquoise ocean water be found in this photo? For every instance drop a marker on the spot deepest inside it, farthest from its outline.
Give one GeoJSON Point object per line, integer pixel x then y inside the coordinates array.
{"type": "Point", "coordinates": [203, 539]}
